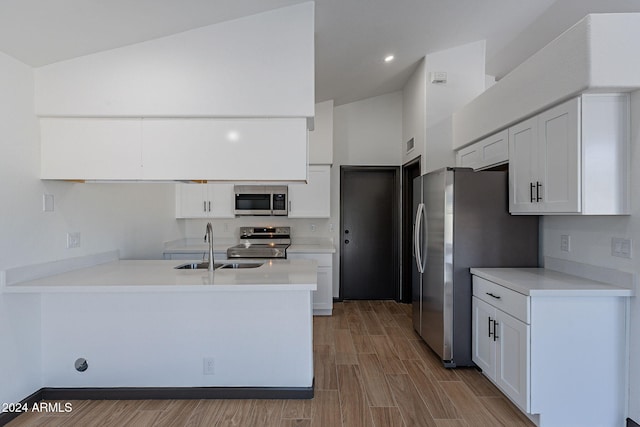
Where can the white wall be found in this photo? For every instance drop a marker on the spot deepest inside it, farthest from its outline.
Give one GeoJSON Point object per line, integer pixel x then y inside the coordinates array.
{"type": "Point", "coordinates": [260, 65]}
{"type": "Point", "coordinates": [366, 132]}
{"type": "Point", "coordinates": [465, 68]}
{"type": "Point", "coordinates": [136, 219]}
{"type": "Point", "coordinates": [591, 244]}
{"type": "Point", "coordinates": [414, 113]}
{"type": "Point", "coordinates": [428, 107]}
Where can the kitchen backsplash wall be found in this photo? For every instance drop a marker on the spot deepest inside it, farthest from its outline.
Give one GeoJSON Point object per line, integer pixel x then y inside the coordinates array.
{"type": "Point", "coordinates": [228, 229]}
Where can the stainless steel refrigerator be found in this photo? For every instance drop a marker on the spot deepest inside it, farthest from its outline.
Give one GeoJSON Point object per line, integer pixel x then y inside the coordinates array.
{"type": "Point", "coordinates": [461, 220]}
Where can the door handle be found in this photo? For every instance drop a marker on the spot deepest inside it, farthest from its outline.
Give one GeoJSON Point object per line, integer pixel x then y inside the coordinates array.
{"type": "Point", "coordinates": [489, 328]}
{"type": "Point", "coordinates": [495, 332]}
{"type": "Point", "coordinates": [416, 237]}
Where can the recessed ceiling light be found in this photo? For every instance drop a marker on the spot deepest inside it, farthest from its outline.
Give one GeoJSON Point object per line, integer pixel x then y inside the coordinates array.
{"type": "Point", "coordinates": [388, 58]}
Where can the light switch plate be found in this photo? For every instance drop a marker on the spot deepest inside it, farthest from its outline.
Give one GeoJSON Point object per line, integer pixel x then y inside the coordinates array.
{"type": "Point", "coordinates": [47, 203]}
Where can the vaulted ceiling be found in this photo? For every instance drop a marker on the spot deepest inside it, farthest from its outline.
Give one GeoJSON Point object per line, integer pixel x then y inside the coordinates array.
{"type": "Point", "coordinates": [352, 36]}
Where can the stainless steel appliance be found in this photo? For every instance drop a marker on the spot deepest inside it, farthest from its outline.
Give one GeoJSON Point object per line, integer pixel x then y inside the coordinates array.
{"type": "Point", "coordinates": [261, 199]}
{"type": "Point", "coordinates": [461, 220]}
{"type": "Point", "coordinates": [261, 242]}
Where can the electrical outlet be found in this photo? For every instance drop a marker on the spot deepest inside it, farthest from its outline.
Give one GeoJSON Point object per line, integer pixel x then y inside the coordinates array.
{"type": "Point", "coordinates": [621, 247]}
{"type": "Point", "coordinates": [565, 243]}
{"type": "Point", "coordinates": [313, 227]}
{"type": "Point", "coordinates": [208, 366]}
{"type": "Point", "coordinates": [73, 240]}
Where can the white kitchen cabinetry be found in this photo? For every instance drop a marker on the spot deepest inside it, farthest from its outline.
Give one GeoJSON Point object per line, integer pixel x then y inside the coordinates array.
{"type": "Point", "coordinates": [501, 350]}
{"type": "Point", "coordinates": [312, 200]}
{"type": "Point", "coordinates": [490, 151]}
{"type": "Point", "coordinates": [225, 149]}
{"type": "Point", "coordinates": [195, 149]}
{"type": "Point", "coordinates": [88, 149]}
{"type": "Point", "coordinates": [204, 201]}
{"type": "Point", "coordinates": [558, 352]}
{"type": "Point", "coordinates": [323, 296]}
{"type": "Point", "coordinates": [572, 159]}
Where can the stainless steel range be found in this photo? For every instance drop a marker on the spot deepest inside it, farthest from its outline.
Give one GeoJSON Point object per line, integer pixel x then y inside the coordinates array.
{"type": "Point", "coordinates": [261, 242]}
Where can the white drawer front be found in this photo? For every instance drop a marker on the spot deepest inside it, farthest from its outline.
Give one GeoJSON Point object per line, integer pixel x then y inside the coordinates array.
{"type": "Point", "coordinates": [511, 302]}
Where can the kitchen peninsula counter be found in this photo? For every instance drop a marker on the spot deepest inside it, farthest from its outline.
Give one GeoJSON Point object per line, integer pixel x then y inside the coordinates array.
{"type": "Point", "coordinates": [161, 275]}
{"type": "Point", "coordinates": [149, 331]}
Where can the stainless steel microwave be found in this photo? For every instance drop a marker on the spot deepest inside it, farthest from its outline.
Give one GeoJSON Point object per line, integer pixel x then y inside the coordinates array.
{"type": "Point", "coordinates": [261, 200]}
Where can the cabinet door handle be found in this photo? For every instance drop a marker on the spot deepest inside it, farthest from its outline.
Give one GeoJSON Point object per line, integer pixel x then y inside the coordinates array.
{"type": "Point", "coordinates": [289, 205]}
{"type": "Point", "coordinates": [531, 192]}
{"type": "Point", "coordinates": [209, 205]}
{"type": "Point", "coordinates": [492, 295]}
{"type": "Point", "coordinates": [204, 206]}
{"type": "Point", "coordinates": [495, 332]}
{"type": "Point", "coordinates": [489, 329]}
{"type": "Point", "coordinates": [538, 191]}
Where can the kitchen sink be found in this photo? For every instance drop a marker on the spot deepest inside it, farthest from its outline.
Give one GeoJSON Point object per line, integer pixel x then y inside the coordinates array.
{"type": "Point", "coordinates": [198, 266]}
{"type": "Point", "coordinates": [243, 265]}
{"type": "Point", "coordinates": [205, 265]}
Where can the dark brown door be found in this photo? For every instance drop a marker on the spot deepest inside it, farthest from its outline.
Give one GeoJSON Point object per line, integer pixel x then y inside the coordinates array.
{"type": "Point", "coordinates": [369, 259]}
{"type": "Point", "coordinates": [410, 171]}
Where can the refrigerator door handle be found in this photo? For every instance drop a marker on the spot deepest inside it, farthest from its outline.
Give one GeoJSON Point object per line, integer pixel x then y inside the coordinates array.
{"type": "Point", "coordinates": [417, 230]}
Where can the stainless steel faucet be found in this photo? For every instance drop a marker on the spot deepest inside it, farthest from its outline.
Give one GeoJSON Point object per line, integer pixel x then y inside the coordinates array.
{"type": "Point", "coordinates": [208, 236]}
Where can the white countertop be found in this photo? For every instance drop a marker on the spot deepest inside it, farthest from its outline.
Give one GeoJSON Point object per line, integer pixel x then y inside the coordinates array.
{"type": "Point", "coordinates": [160, 275]}
{"type": "Point", "coordinates": [544, 282]}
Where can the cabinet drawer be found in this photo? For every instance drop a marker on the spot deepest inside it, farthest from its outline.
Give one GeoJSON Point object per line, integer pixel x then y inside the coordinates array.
{"type": "Point", "coordinates": [511, 302]}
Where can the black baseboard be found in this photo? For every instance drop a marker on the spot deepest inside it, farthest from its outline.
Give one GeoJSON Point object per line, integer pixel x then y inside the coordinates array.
{"type": "Point", "coordinates": [5, 417]}
{"type": "Point", "coordinates": [631, 423]}
{"type": "Point", "coordinates": [147, 393]}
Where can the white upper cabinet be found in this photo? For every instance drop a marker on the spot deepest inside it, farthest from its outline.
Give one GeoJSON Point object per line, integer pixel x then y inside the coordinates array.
{"type": "Point", "coordinates": [88, 149]}
{"type": "Point", "coordinates": [204, 201]}
{"type": "Point", "coordinates": [572, 159]}
{"type": "Point", "coordinates": [174, 149]}
{"type": "Point", "coordinates": [312, 200]}
{"type": "Point", "coordinates": [488, 152]}
{"type": "Point", "coordinates": [225, 149]}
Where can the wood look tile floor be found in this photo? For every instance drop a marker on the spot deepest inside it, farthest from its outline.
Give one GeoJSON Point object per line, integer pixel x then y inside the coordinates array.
{"type": "Point", "coordinates": [371, 369]}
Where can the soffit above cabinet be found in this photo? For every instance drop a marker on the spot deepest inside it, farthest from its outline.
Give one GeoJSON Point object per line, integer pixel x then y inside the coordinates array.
{"type": "Point", "coordinates": [257, 66]}
{"type": "Point", "coordinates": [595, 55]}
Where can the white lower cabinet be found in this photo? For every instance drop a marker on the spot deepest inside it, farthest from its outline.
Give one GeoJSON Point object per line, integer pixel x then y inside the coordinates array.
{"type": "Point", "coordinates": [204, 201]}
{"type": "Point", "coordinates": [501, 350]}
{"type": "Point", "coordinates": [559, 356]}
{"type": "Point", "coordinates": [323, 296]}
